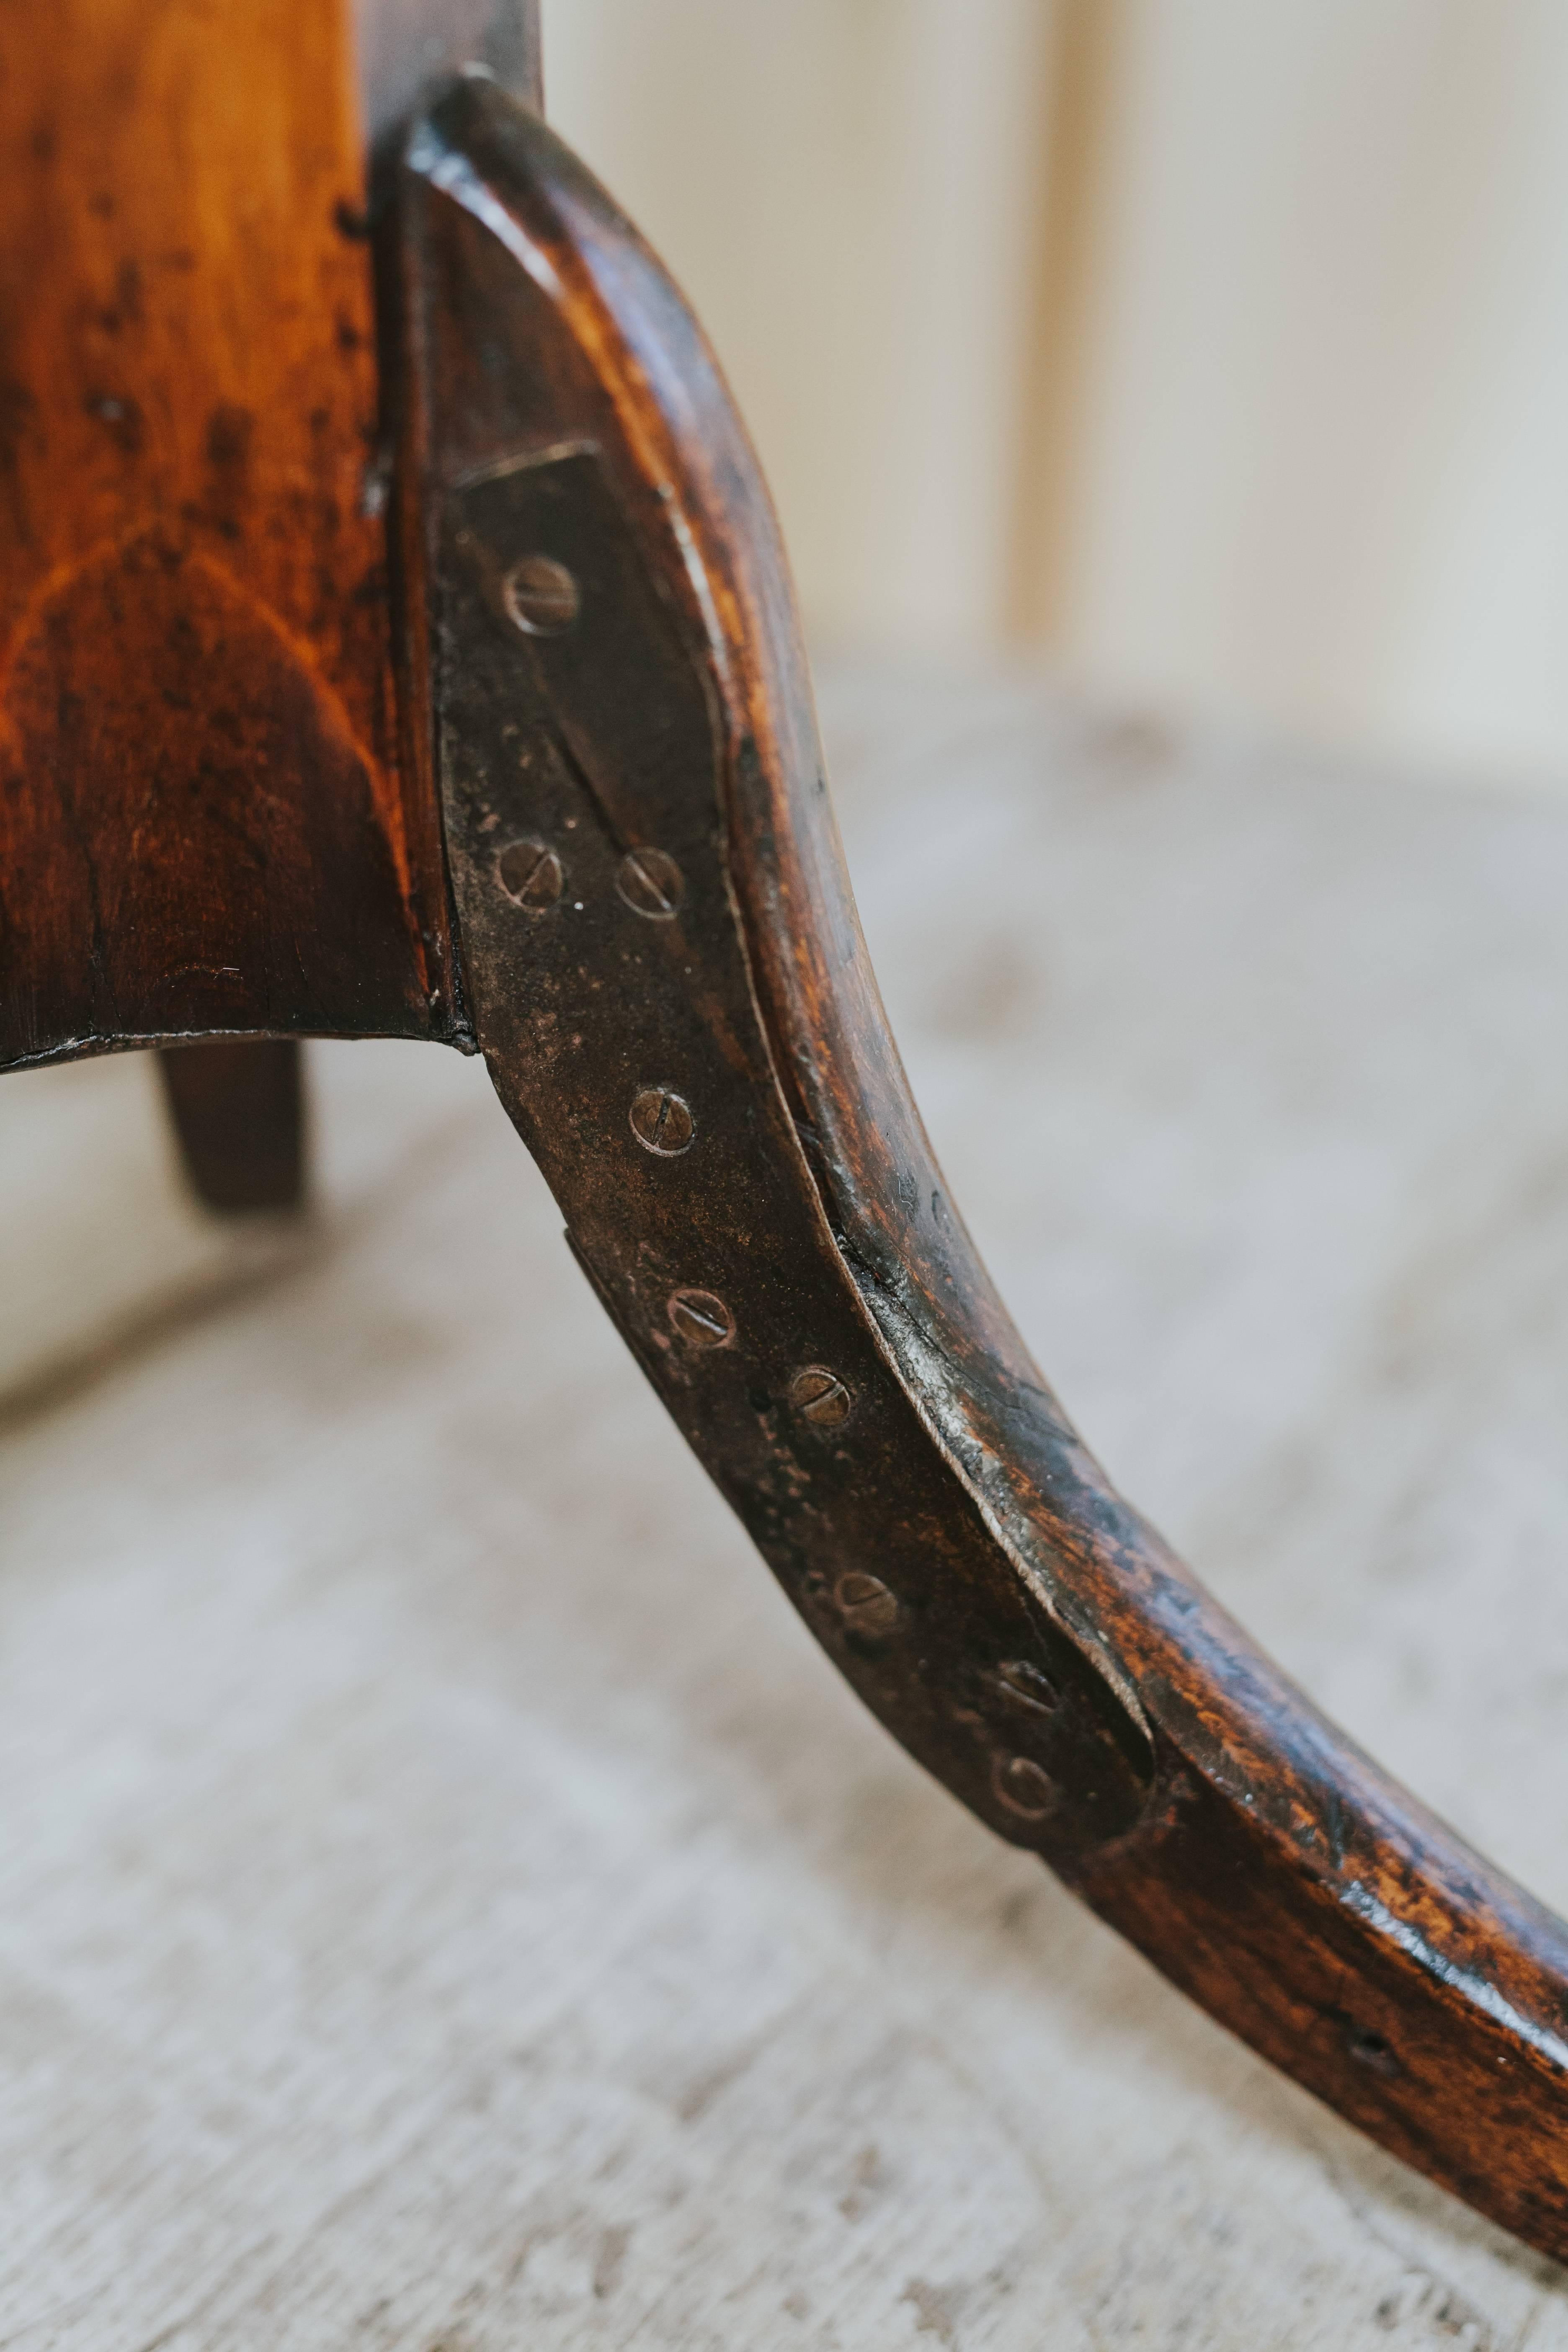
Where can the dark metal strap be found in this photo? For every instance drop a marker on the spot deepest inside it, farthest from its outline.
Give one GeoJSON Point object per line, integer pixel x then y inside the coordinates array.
{"type": "Point", "coordinates": [614, 1004]}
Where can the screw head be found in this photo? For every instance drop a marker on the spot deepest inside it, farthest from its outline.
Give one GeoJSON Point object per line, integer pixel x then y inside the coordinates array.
{"type": "Point", "coordinates": [662, 1121]}
{"type": "Point", "coordinates": [1023, 1787]}
{"type": "Point", "coordinates": [531, 874]}
{"type": "Point", "coordinates": [866, 1605]}
{"type": "Point", "coordinates": [702, 1319]}
{"type": "Point", "coordinates": [1029, 1684]}
{"type": "Point", "coordinates": [820, 1397]}
{"type": "Point", "coordinates": [540, 596]}
{"type": "Point", "coordinates": [650, 883]}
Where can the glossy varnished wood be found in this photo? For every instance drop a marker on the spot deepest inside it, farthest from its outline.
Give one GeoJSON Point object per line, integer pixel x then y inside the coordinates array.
{"type": "Point", "coordinates": [207, 822]}
{"type": "Point", "coordinates": [950, 1541]}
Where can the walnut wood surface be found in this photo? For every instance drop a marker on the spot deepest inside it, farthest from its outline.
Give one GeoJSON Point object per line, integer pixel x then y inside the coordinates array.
{"type": "Point", "coordinates": [207, 823]}
{"type": "Point", "coordinates": [1262, 1862]}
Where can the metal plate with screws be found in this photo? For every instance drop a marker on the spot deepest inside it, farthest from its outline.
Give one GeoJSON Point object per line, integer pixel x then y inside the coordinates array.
{"type": "Point", "coordinates": [727, 1286]}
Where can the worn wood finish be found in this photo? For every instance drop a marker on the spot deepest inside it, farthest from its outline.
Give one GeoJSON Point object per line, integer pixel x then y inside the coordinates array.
{"type": "Point", "coordinates": [207, 826]}
{"type": "Point", "coordinates": [789, 1240]}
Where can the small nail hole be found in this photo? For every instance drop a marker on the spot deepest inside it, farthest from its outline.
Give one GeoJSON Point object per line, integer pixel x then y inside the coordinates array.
{"type": "Point", "coordinates": [1372, 2050]}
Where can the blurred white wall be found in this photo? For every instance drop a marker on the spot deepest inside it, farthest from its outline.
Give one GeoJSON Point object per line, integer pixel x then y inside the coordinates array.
{"type": "Point", "coordinates": [1218, 347]}
{"type": "Point", "coordinates": [1318, 452]}
{"type": "Point", "coordinates": [848, 190]}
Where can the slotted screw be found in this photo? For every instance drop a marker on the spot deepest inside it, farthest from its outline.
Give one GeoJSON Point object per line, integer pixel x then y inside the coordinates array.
{"type": "Point", "coordinates": [662, 1121]}
{"type": "Point", "coordinates": [866, 1605]}
{"type": "Point", "coordinates": [1029, 1684]}
{"type": "Point", "coordinates": [702, 1318]}
{"type": "Point", "coordinates": [1024, 1786]}
{"type": "Point", "coordinates": [820, 1397]}
{"type": "Point", "coordinates": [650, 883]}
{"type": "Point", "coordinates": [530, 872]}
{"type": "Point", "coordinates": [540, 596]}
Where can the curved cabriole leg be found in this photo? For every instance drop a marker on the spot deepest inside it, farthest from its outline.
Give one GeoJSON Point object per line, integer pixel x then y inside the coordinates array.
{"type": "Point", "coordinates": [668, 981]}
{"type": "Point", "coordinates": [237, 1105]}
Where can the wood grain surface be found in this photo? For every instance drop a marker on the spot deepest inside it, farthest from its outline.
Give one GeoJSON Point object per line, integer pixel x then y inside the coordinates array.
{"type": "Point", "coordinates": [207, 819]}
{"type": "Point", "coordinates": [447, 1900]}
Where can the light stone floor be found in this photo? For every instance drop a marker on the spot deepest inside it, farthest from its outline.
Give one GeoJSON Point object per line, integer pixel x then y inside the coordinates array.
{"type": "Point", "coordinates": [445, 1902]}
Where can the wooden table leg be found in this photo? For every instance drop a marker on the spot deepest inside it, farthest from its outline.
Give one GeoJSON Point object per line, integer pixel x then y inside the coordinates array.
{"type": "Point", "coordinates": [239, 1109]}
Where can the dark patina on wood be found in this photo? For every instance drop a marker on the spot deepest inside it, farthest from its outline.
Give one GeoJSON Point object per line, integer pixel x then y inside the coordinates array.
{"type": "Point", "coordinates": [667, 979]}
{"type": "Point", "coordinates": [207, 823]}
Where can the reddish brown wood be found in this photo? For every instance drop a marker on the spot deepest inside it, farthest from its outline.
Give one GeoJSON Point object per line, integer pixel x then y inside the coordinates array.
{"type": "Point", "coordinates": [957, 1550]}
{"type": "Point", "coordinates": [206, 823]}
